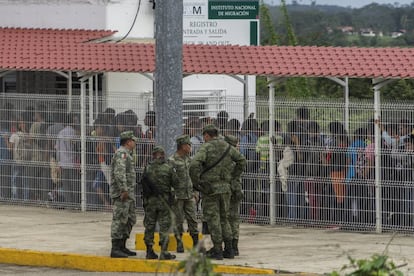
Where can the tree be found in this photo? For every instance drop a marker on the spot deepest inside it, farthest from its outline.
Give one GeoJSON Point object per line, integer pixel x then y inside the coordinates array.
{"type": "Point", "coordinates": [320, 25]}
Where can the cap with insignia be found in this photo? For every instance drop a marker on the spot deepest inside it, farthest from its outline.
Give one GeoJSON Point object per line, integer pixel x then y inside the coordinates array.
{"type": "Point", "coordinates": [183, 139]}
{"type": "Point", "coordinates": [128, 135]}
{"type": "Point", "coordinates": [209, 128]}
{"type": "Point", "coordinates": [158, 149]}
{"type": "Point", "coordinates": [232, 140]}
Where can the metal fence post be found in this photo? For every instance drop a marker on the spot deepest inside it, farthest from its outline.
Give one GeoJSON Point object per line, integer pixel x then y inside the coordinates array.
{"type": "Point", "coordinates": [378, 207]}
{"type": "Point", "coordinates": [272, 165]}
{"type": "Point", "coordinates": [83, 145]}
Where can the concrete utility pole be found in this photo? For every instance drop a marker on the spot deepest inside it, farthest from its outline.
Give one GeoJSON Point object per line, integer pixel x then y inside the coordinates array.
{"type": "Point", "coordinates": [168, 72]}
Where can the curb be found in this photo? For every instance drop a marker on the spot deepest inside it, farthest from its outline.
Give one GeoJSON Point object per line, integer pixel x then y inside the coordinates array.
{"type": "Point", "coordinates": [106, 264]}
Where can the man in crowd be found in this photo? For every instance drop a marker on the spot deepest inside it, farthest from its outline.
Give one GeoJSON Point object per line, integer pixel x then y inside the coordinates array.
{"type": "Point", "coordinates": [67, 156]}
{"type": "Point", "coordinates": [157, 181]}
{"type": "Point", "coordinates": [184, 195]}
{"type": "Point", "coordinates": [211, 170]}
{"type": "Point", "coordinates": [122, 191]}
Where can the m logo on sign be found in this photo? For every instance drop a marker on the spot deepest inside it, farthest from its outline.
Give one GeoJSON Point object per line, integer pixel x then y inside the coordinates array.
{"type": "Point", "coordinates": [194, 10]}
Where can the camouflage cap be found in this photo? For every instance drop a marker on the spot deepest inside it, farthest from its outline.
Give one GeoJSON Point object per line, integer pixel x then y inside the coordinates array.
{"type": "Point", "coordinates": [232, 140]}
{"type": "Point", "coordinates": [183, 139]}
{"type": "Point", "coordinates": [128, 135]}
{"type": "Point", "coordinates": [158, 149]}
{"type": "Point", "coordinates": [209, 127]}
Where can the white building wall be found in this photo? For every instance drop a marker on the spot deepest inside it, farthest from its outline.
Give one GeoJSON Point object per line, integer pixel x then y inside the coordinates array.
{"type": "Point", "coordinates": [129, 91]}
{"type": "Point", "coordinates": [232, 88]}
{"type": "Point", "coordinates": [120, 16]}
{"type": "Point", "coordinates": [114, 15]}
{"type": "Point", "coordinates": [53, 14]}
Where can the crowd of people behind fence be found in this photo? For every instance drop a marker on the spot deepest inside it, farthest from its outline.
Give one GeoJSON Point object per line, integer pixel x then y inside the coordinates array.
{"type": "Point", "coordinates": [321, 176]}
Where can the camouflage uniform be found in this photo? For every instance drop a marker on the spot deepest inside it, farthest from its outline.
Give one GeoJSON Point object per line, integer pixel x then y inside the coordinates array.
{"type": "Point", "coordinates": [158, 175]}
{"type": "Point", "coordinates": [214, 186]}
{"type": "Point", "coordinates": [123, 177]}
{"type": "Point", "coordinates": [235, 200]}
{"type": "Point", "coordinates": [184, 205]}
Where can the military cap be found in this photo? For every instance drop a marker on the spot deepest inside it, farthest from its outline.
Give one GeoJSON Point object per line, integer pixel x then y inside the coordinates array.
{"type": "Point", "coordinates": [232, 140]}
{"type": "Point", "coordinates": [128, 135]}
{"type": "Point", "coordinates": [157, 149]}
{"type": "Point", "coordinates": [183, 139]}
{"type": "Point", "coordinates": [209, 128]}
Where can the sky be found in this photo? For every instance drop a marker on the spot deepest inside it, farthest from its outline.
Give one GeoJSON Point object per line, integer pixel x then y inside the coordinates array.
{"type": "Point", "coordinates": [345, 3]}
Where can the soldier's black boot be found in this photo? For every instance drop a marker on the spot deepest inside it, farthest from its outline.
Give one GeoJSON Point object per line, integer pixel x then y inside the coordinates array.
{"type": "Point", "coordinates": [126, 250]}
{"type": "Point", "coordinates": [116, 251]}
{"type": "Point", "coordinates": [150, 253]}
{"type": "Point", "coordinates": [215, 253]}
{"type": "Point", "coordinates": [180, 246]}
{"type": "Point", "coordinates": [195, 239]}
{"type": "Point", "coordinates": [236, 247]}
{"type": "Point", "coordinates": [165, 255]}
{"type": "Point", "coordinates": [204, 229]}
{"type": "Point", "coordinates": [228, 250]}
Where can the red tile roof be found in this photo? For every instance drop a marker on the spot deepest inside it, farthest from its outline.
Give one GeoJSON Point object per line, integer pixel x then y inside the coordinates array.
{"type": "Point", "coordinates": [72, 50]}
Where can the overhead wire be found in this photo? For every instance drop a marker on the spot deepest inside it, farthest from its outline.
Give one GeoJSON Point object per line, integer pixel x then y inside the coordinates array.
{"type": "Point", "coordinates": [133, 23]}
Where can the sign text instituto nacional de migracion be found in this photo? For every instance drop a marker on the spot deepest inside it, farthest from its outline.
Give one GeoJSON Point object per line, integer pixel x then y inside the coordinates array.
{"type": "Point", "coordinates": [218, 22]}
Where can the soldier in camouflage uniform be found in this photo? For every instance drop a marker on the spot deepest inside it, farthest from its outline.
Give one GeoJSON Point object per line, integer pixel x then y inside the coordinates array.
{"type": "Point", "coordinates": [184, 205]}
{"type": "Point", "coordinates": [157, 181]}
{"type": "Point", "coordinates": [122, 191]}
{"type": "Point", "coordinates": [211, 170]}
{"type": "Point", "coordinates": [235, 200]}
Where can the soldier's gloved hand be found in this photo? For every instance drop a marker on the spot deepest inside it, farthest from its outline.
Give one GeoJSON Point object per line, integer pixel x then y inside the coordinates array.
{"type": "Point", "coordinates": [124, 196]}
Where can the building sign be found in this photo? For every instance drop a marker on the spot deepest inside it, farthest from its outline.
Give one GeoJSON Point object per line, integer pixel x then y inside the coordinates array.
{"type": "Point", "coordinates": [216, 22]}
{"type": "Point", "coordinates": [233, 9]}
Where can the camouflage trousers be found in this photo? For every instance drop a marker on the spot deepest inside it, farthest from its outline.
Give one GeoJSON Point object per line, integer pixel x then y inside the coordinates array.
{"type": "Point", "coordinates": [157, 210]}
{"type": "Point", "coordinates": [123, 218]}
{"type": "Point", "coordinates": [234, 217]}
{"type": "Point", "coordinates": [185, 208]}
{"type": "Point", "coordinates": [216, 214]}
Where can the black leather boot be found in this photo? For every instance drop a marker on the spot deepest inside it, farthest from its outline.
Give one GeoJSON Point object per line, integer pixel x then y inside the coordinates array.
{"type": "Point", "coordinates": [126, 250]}
{"type": "Point", "coordinates": [205, 230]}
{"type": "Point", "coordinates": [150, 253]}
{"type": "Point", "coordinates": [228, 250]}
{"type": "Point", "coordinates": [116, 251]}
{"type": "Point", "coordinates": [165, 255]}
{"type": "Point", "coordinates": [215, 253]}
{"type": "Point", "coordinates": [180, 246]}
{"type": "Point", "coordinates": [195, 239]}
{"type": "Point", "coordinates": [236, 247]}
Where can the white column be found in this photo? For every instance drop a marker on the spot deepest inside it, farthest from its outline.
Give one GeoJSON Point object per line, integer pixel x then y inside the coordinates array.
{"type": "Point", "coordinates": [69, 91]}
{"type": "Point", "coordinates": [245, 97]}
{"type": "Point", "coordinates": [90, 84]}
{"type": "Point", "coordinates": [346, 96]}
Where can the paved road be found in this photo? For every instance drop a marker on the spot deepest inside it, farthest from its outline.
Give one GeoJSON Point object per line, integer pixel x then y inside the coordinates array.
{"type": "Point", "coordinates": [278, 248]}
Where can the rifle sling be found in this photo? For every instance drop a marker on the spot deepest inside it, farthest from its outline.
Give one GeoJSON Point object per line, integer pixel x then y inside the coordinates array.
{"type": "Point", "coordinates": [215, 163]}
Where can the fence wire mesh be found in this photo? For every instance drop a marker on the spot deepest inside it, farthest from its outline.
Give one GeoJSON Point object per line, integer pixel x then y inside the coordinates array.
{"type": "Point", "coordinates": [315, 169]}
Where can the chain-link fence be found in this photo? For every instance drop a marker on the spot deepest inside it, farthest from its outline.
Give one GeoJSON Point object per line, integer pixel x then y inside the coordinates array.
{"type": "Point", "coordinates": [313, 169]}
